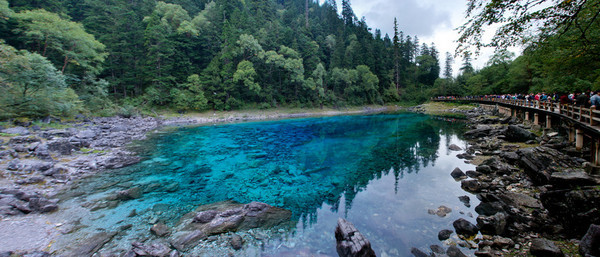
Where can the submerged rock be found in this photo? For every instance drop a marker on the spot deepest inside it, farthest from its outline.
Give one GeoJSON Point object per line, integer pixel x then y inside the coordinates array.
{"type": "Point", "coordinates": [453, 251]}
{"type": "Point", "coordinates": [156, 248]}
{"type": "Point", "coordinates": [350, 242]}
{"type": "Point", "coordinates": [236, 242]}
{"type": "Point", "coordinates": [441, 211]}
{"type": "Point", "coordinates": [160, 229]}
{"type": "Point", "coordinates": [92, 244]}
{"type": "Point", "coordinates": [444, 234]}
{"type": "Point", "coordinates": [185, 240]}
{"type": "Point", "coordinates": [129, 194]}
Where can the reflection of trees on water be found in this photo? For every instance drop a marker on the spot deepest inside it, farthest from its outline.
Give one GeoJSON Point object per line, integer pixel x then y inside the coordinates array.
{"type": "Point", "coordinates": [402, 149]}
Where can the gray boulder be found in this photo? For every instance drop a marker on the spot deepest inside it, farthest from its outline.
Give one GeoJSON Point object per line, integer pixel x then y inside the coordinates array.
{"type": "Point", "coordinates": [87, 134]}
{"type": "Point", "coordinates": [517, 134]}
{"type": "Point", "coordinates": [458, 174]}
{"type": "Point", "coordinates": [42, 152]}
{"type": "Point", "coordinates": [453, 251]}
{"type": "Point", "coordinates": [571, 179]}
{"type": "Point", "coordinates": [62, 146]}
{"type": "Point", "coordinates": [454, 147]}
{"type": "Point", "coordinates": [43, 205]}
{"type": "Point", "coordinates": [236, 241]}
{"type": "Point", "coordinates": [489, 208]}
{"type": "Point", "coordinates": [545, 248]}
{"type": "Point", "coordinates": [590, 243]}
{"type": "Point", "coordinates": [471, 185]}
{"type": "Point", "coordinates": [185, 240]}
{"type": "Point", "coordinates": [492, 225]}
{"type": "Point", "coordinates": [92, 244]}
{"type": "Point", "coordinates": [540, 162]}
{"type": "Point", "coordinates": [14, 165]}
{"type": "Point", "coordinates": [160, 229]}
{"type": "Point", "coordinates": [464, 227]}
{"type": "Point", "coordinates": [576, 210]}
{"type": "Point", "coordinates": [205, 216]}
{"type": "Point", "coordinates": [23, 140]}
{"type": "Point", "coordinates": [129, 194]}
{"type": "Point", "coordinates": [444, 234]}
{"type": "Point", "coordinates": [16, 130]}
{"type": "Point", "coordinates": [156, 249]}
{"type": "Point", "coordinates": [230, 216]}
{"type": "Point", "coordinates": [350, 242]}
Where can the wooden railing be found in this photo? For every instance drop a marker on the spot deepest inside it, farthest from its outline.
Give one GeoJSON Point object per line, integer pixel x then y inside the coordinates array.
{"type": "Point", "coordinates": [577, 113]}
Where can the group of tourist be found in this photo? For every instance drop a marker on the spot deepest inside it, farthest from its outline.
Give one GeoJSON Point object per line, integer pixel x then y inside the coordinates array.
{"type": "Point", "coordinates": [583, 99]}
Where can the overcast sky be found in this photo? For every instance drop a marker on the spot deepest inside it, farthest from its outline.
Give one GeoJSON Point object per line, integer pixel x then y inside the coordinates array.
{"type": "Point", "coordinates": [431, 20]}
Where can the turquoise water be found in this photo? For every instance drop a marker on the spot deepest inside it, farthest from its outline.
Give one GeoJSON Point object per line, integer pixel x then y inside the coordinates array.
{"type": "Point", "coordinates": [381, 172]}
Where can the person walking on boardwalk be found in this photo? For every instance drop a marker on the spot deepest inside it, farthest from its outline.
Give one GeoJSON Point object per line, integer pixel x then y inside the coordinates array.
{"type": "Point", "coordinates": [582, 100]}
{"type": "Point", "coordinates": [595, 99]}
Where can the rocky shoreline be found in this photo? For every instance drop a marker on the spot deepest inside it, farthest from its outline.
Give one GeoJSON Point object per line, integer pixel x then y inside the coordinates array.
{"type": "Point", "coordinates": [538, 195]}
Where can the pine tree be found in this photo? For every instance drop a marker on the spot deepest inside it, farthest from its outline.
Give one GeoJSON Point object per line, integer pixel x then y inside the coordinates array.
{"type": "Point", "coordinates": [448, 67]}
{"type": "Point", "coordinates": [396, 46]}
{"type": "Point", "coordinates": [347, 13]}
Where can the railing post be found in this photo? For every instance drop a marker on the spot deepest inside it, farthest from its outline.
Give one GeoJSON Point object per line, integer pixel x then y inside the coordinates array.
{"type": "Point", "coordinates": [571, 134]}
{"type": "Point", "coordinates": [597, 152]}
{"type": "Point", "coordinates": [592, 123]}
{"type": "Point", "coordinates": [560, 111]}
{"type": "Point", "coordinates": [580, 113]}
{"type": "Point", "coordinates": [578, 139]}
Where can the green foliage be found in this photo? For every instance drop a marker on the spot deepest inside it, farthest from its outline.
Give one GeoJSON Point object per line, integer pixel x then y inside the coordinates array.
{"type": "Point", "coordinates": [32, 86]}
{"type": "Point", "coordinates": [66, 42]}
{"type": "Point", "coordinates": [245, 74]}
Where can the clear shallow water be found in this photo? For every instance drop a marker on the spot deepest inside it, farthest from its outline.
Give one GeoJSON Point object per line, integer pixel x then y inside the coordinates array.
{"type": "Point", "coordinates": [381, 172]}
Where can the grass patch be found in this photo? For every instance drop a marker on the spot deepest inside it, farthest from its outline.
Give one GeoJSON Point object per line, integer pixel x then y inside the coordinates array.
{"type": "Point", "coordinates": [7, 134]}
{"type": "Point", "coordinates": [91, 151]}
{"type": "Point", "coordinates": [51, 125]}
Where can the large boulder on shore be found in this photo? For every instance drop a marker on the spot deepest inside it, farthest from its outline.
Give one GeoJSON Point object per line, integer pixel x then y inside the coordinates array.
{"type": "Point", "coordinates": [546, 248]}
{"type": "Point", "coordinates": [517, 134]}
{"type": "Point", "coordinates": [540, 162]}
{"type": "Point", "coordinates": [574, 209]}
{"type": "Point", "coordinates": [464, 227]}
{"type": "Point", "coordinates": [590, 243]}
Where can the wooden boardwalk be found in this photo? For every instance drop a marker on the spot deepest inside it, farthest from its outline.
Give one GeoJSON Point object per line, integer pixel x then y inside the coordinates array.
{"type": "Point", "coordinates": [583, 123]}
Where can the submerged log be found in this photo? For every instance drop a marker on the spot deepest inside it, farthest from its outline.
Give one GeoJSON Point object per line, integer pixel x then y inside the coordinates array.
{"type": "Point", "coordinates": [350, 242]}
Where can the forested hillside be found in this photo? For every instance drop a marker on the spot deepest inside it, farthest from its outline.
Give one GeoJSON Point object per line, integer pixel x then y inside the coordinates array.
{"type": "Point", "coordinates": [60, 57]}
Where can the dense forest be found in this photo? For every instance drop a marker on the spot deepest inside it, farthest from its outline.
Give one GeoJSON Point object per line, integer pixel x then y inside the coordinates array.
{"type": "Point", "coordinates": [63, 57]}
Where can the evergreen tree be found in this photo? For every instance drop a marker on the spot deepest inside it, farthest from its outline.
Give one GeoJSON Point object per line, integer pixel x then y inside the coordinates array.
{"type": "Point", "coordinates": [448, 66]}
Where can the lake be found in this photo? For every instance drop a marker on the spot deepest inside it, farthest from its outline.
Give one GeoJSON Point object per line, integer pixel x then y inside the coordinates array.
{"type": "Point", "coordinates": [382, 172]}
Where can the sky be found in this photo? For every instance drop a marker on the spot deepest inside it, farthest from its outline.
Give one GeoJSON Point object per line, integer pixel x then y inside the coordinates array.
{"type": "Point", "coordinates": [431, 20]}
